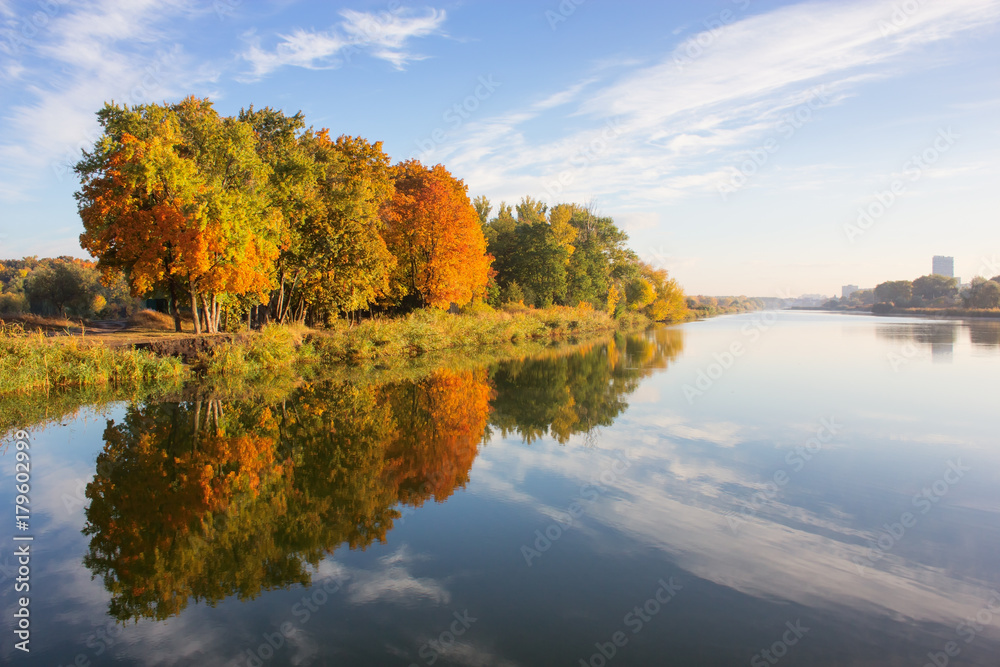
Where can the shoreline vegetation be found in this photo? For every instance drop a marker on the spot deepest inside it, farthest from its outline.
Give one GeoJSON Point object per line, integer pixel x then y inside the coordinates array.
{"type": "Point", "coordinates": [929, 313]}
{"type": "Point", "coordinates": [271, 362]}
{"type": "Point", "coordinates": [31, 362]}
{"type": "Point", "coordinates": [265, 246]}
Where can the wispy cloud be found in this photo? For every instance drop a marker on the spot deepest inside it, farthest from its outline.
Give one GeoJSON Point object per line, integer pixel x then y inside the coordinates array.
{"type": "Point", "coordinates": [682, 123]}
{"type": "Point", "coordinates": [86, 55]}
{"type": "Point", "coordinates": [384, 35]}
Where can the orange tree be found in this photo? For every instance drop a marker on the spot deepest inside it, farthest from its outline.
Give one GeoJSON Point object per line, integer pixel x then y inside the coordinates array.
{"type": "Point", "coordinates": [435, 234]}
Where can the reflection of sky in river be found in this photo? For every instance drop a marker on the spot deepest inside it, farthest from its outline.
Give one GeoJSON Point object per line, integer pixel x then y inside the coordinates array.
{"type": "Point", "coordinates": [694, 503]}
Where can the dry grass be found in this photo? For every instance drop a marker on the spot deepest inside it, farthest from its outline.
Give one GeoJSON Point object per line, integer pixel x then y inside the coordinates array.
{"type": "Point", "coordinates": [31, 322]}
{"type": "Point", "coordinates": [151, 319]}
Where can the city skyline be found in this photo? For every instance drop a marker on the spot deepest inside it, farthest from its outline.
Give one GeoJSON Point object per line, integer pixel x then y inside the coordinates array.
{"type": "Point", "coordinates": [742, 164]}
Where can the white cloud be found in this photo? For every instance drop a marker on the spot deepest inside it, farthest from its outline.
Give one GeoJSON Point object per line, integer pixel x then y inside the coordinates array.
{"type": "Point", "coordinates": [685, 122]}
{"type": "Point", "coordinates": [394, 583]}
{"type": "Point", "coordinates": [384, 35]}
{"type": "Point", "coordinates": [90, 54]}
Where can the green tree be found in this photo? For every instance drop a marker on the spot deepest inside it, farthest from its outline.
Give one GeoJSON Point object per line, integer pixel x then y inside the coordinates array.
{"type": "Point", "coordinates": [483, 208]}
{"type": "Point", "coordinates": [982, 293]}
{"type": "Point", "coordinates": [896, 292]}
{"type": "Point", "coordinates": [935, 289]}
{"type": "Point", "coordinates": [63, 287]}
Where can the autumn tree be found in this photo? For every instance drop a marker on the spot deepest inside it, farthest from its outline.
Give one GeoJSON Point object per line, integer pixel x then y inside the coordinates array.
{"type": "Point", "coordinates": [174, 196]}
{"type": "Point", "coordinates": [665, 300]}
{"type": "Point", "coordinates": [433, 231]}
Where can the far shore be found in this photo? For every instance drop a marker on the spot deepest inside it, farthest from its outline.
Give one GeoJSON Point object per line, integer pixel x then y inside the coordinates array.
{"type": "Point", "coordinates": [972, 314]}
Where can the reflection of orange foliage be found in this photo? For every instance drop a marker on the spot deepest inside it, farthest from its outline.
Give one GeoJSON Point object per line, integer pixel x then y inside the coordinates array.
{"type": "Point", "coordinates": [441, 423]}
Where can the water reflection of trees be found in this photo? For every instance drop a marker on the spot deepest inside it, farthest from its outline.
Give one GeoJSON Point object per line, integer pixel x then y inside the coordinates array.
{"type": "Point", "coordinates": [985, 334]}
{"type": "Point", "coordinates": [941, 337]}
{"type": "Point", "coordinates": [203, 499]}
{"type": "Point", "coordinates": [566, 394]}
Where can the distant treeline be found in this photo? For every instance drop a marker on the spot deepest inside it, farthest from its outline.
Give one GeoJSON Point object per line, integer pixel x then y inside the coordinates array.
{"type": "Point", "coordinates": [61, 287]}
{"type": "Point", "coordinates": [709, 306]}
{"type": "Point", "coordinates": [931, 291]}
{"type": "Point", "coordinates": [257, 217]}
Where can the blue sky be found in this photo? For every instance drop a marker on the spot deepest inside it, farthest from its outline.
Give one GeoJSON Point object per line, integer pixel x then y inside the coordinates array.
{"type": "Point", "coordinates": [739, 142]}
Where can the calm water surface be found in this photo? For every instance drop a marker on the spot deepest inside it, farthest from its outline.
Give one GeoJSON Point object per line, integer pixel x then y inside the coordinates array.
{"type": "Point", "coordinates": [802, 488]}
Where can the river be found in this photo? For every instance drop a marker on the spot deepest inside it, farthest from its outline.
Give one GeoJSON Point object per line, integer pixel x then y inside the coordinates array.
{"type": "Point", "coordinates": [778, 487]}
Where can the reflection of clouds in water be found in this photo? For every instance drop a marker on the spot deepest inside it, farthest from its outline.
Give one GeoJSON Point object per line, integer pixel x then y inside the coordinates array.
{"type": "Point", "coordinates": [189, 639]}
{"type": "Point", "coordinates": [676, 496]}
{"type": "Point", "coordinates": [394, 583]}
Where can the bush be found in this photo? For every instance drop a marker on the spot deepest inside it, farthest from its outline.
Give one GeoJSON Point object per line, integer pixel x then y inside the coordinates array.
{"type": "Point", "coordinates": [882, 308]}
{"type": "Point", "coordinates": [13, 303]}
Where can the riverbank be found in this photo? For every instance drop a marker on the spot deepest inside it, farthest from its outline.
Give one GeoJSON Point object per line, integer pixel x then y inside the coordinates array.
{"type": "Point", "coordinates": [928, 313]}
{"type": "Point", "coordinates": [34, 362]}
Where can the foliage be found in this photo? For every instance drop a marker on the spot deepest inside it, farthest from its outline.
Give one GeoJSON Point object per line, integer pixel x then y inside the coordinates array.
{"type": "Point", "coordinates": [204, 499]}
{"type": "Point", "coordinates": [173, 196]}
{"type": "Point", "coordinates": [572, 256]}
{"type": "Point", "coordinates": [434, 233]}
{"type": "Point", "coordinates": [62, 287]}
{"type": "Point", "coordinates": [711, 306]}
{"type": "Point", "coordinates": [982, 293]}
{"type": "Point", "coordinates": [935, 289]}
{"type": "Point", "coordinates": [895, 292]}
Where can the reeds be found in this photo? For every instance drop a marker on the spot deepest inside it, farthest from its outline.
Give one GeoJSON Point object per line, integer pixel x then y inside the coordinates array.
{"type": "Point", "coordinates": [34, 362]}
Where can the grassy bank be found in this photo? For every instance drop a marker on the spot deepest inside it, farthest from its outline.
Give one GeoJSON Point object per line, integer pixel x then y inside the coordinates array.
{"type": "Point", "coordinates": [427, 331]}
{"type": "Point", "coordinates": [32, 362]}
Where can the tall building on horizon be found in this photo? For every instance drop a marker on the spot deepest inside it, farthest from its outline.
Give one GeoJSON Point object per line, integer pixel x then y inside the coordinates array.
{"type": "Point", "coordinates": [943, 266]}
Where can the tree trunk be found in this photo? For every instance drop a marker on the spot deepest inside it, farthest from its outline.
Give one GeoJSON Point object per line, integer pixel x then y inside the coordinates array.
{"type": "Point", "coordinates": [194, 310]}
{"type": "Point", "coordinates": [174, 308]}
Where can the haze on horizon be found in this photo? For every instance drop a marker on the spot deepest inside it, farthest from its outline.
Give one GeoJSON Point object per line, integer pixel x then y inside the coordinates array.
{"type": "Point", "coordinates": [737, 141]}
